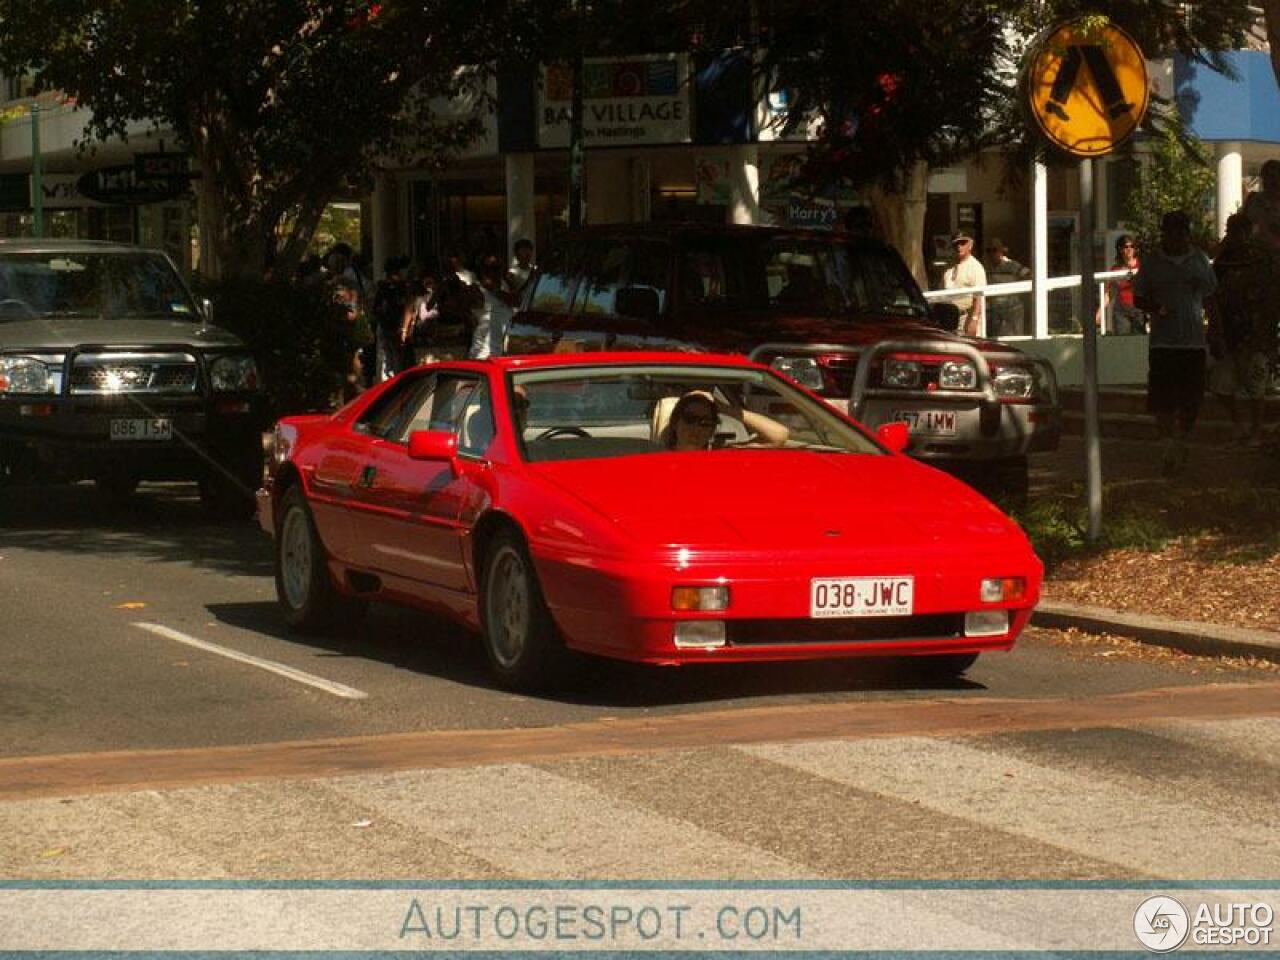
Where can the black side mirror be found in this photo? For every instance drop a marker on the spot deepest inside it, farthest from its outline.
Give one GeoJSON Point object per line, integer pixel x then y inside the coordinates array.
{"type": "Point", "coordinates": [641, 302]}
{"type": "Point", "coordinates": [945, 315]}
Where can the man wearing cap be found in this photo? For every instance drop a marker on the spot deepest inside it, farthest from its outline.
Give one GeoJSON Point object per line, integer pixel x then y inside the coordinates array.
{"type": "Point", "coordinates": [966, 271]}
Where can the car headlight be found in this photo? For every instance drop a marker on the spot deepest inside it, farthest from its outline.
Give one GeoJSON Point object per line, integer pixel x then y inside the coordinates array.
{"type": "Point", "coordinates": [24, 375]}
{"type": "Point", "coordinates": [957, 375]}
{"type": "Point", "coordinates": [898, 372]}
{"type": "Point", "coordinates": [803, 370]}
{"type": "Point", "coordinates": [1018, 383]}
{"type": "Point", "coordinates": [230, 374]}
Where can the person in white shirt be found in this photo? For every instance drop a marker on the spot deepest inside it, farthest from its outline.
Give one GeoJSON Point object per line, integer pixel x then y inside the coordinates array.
{"type": "Point", "coordinates": [492, 312]}
{"type": "Point", "coordinates": [966, 271]}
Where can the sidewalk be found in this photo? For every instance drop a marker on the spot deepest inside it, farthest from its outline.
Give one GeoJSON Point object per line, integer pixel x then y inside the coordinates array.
{"type": "Point", "coordinates": [1127, 460]}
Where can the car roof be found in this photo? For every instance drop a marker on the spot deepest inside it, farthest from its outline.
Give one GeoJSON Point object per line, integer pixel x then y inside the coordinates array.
{"type": "Point", "coordinates": [542, 361]}
{"type": "Point", "coordinates": [56, 245]}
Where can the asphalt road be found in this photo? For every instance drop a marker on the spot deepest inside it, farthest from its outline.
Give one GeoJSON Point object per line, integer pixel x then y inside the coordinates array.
{"type": "Point", "coordinates": [101, 605]}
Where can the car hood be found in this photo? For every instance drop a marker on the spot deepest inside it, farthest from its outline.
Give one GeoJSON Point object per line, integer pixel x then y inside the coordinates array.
{"type": "Point", "coordinates": [854, 330]}
{"type": "Point", "coordinates": [776, 500]}
{"type": "Point", "coordinates": [63, 333]}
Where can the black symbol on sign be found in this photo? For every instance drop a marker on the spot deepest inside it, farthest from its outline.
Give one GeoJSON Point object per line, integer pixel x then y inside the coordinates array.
{"type": "Point", "coordinates": [1103, 77]}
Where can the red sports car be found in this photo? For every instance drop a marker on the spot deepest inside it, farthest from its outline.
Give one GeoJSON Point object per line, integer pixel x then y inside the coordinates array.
{"type": "Point", "coordinates": [659, 507]}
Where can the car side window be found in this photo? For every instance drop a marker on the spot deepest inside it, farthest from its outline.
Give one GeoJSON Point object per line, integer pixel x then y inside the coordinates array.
{"type": "Point", "coordinates": [605, 272]}
{"type": "Point", "coordinates": [713, 273]}
{"type": "Point", "coordinates": [441, 408]}
{"type": "Point", "coordinates": [649, 269]}
{"type": "Point", "coordinates": [475, 426]}
{"type": "Point", "coordinates": [387, 416]}
{"type": "Point", "coordinates": [554, 285]}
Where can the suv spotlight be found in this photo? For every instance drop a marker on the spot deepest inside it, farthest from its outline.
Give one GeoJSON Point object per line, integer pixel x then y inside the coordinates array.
{"type": "Point", "coordinates": [842, 316]}
{"type": "Point", "coordinates": [109, 370]}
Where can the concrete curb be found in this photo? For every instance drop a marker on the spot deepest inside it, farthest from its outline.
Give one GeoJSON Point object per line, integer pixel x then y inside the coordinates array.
{"type": "Point", "coordinates": [1205, 639]}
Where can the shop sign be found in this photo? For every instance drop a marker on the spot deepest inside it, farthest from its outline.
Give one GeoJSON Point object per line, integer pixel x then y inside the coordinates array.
{"type": "Point", "coordinates": [628, 101]}
{"type": "Point", "coordinates": [812, 213]}
{"type": "Point", "coordinates": [147, 166]}
{"type": "Point", "coordinates": [122, 185]}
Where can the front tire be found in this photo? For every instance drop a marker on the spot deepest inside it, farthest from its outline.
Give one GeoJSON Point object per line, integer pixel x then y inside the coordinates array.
{"type": "Point", "coordinates": [520, 639]}
{"type": "Point", "coordinates": [306, 594]}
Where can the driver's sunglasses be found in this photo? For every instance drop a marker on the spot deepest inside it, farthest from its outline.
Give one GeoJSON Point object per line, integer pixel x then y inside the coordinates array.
{"type": "Point", "coordinates": [696, 421]}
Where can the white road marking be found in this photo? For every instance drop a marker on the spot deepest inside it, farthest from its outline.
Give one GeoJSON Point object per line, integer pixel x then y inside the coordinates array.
{"type": "Point", "coordinates": [301, 676]}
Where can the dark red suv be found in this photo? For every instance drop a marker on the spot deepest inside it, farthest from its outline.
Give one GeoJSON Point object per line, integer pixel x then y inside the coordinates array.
{"type": "Point", "coordinates": [840, 315]}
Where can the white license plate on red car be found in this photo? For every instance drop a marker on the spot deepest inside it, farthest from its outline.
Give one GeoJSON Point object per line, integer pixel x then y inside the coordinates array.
{"type": "Point", "coordinates": [861, 597]}
{"type": "Point", "coordinates": [939, 423]}
{"type": "Point", "coordinates": [141, 429]}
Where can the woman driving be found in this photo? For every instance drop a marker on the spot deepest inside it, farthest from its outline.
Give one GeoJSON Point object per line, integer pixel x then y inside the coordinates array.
{"type": "Point", "coordinates": [696, 414]}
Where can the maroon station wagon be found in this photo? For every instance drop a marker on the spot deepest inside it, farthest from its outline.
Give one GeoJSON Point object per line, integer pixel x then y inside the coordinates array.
{"type": "Point", "coordinates": [840, 315]}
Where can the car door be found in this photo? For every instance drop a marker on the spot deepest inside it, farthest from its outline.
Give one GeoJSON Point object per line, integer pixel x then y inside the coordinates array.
{"type": "Point", "coordinates": [414, 508]}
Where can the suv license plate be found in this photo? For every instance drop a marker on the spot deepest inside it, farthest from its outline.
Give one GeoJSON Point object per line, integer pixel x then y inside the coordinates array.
{"type": "Point", "coordinates": [937, 422]}
{"type": "Point", "coordinates": [154, 429]}
{"type": "Point", "coordinates": [861, 597]}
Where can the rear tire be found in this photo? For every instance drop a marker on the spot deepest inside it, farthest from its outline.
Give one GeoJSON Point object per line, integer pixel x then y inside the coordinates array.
{"type": "Point", "coordinates": [304, 590]}
{"type": "Point", "coordinates": [520, 639]}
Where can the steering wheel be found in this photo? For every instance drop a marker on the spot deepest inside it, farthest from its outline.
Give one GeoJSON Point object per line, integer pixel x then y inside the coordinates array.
{"type": "Point", "coordinates": [562, 432]}
{"type": "Point", "coordinates": [20, 304]}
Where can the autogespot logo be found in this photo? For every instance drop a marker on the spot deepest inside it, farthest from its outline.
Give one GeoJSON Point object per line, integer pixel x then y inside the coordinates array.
{"type": "Point", "coordinates": [1161, 924]}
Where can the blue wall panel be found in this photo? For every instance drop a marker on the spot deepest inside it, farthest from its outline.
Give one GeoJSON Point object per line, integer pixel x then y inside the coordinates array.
{"type": "Point", "coordinates": [1219, 108]}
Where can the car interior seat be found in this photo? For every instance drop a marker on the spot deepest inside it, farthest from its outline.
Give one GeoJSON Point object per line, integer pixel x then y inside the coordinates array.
{"type": "Point", "coordinates": [661, 417]}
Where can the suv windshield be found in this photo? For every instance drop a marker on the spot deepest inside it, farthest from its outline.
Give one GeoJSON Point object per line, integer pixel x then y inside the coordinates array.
{"type": "Point", "coordinates": [91, 284]}
{"type": "Point", "coordinates": [794, 274]}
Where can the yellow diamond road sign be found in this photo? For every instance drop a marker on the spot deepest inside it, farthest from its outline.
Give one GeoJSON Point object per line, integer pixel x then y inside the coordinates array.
{"type": "Point", "coordinates": [1087, 87]}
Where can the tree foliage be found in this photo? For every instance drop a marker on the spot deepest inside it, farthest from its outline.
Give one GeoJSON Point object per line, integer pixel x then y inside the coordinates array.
{"type": "Point", "coordinates": [1178, 175]}
{"type": "Point", "coordinates": [284, 104]}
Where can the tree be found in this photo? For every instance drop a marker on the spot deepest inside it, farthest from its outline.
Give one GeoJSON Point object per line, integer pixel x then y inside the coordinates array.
{"type": "Point", "coordinates": [900, 86]}
{"type": "Point", "coordinates": [1177, 176]}
{"type": "Point", "coordinates": [283, 104]}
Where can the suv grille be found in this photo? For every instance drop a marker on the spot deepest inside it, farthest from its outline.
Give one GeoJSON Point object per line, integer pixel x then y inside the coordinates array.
{"type": "Point", "coordinates": [106, 373]}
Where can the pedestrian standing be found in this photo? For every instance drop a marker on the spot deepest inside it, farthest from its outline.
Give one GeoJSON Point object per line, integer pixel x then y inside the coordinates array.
{"type": "Point", "coordinates": [521, 269]}
{"type": "Point", "coordinates": [1006, 315]}
{"type": "Point", "coordinates": [389, 303]}
{"type": "Point", "coordinates": [1125, 315]}
{"type": "Point", "coordinates": [493, 312]}
{"type": "Point", "coordinates": [1171, 287]}
{"type": "Point", "coordinates": [1263, 207]}
{"type": "Point", "coordinates": [1242, 330]}
{"type": "Point", "coordinates": [966, 271]}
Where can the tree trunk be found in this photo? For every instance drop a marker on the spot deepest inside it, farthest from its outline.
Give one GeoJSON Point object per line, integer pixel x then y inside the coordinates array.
{"type": "Point", "coordinates": [1271, 14]}
{"type": "Point", "coordinates": [901, 218]}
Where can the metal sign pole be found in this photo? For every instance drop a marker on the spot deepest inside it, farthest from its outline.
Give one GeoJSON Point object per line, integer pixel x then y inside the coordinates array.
{"type": "Point", "coordinates": [1088, 313]}
{"type": "Point", "coordinates": [37, 174]}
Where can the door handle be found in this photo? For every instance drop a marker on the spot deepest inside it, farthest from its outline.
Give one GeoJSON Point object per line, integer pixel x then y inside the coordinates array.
{"type": "Point", "coordinates": [367, 475]}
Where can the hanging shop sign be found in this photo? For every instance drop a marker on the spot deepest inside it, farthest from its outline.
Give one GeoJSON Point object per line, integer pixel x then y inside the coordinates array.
{"type": "Point", "coordinates": [122, 185]}
{"type": "Point", "coordinates": [625, 102]}
{"type": "Point", "coordinates": [149, 166]}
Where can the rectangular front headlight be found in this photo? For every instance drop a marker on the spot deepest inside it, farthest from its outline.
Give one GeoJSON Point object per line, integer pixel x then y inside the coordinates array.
{"type": "Point", "coordinates": [986, 623]}
{"type": "Point", "coordinates": [233, 374]}
{"type": "Point", "coordinates": [699, 598]}
{"type": "Point", "coordinates": [803, 370]}
{"type": "Point", "coordinates": [1017, 383]}
{"type": "Point", "coordinates": [957, 375]}
{"type": "Point", "coordinates": [699, 634]}
{"type": "Point", "coordinates": [25, 375]}
{"type": "Point", "coordinates": [898, 372]}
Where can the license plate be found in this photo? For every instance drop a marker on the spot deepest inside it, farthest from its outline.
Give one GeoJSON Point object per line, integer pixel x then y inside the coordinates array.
{"type": "Point", "coordinates": [936, 422]}
{"type": "Point", "coordinates": [140, 429]}
{"type": "Point", "coordinates": [861, 597]}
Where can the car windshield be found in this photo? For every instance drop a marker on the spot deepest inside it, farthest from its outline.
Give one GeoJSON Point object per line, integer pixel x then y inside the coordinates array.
{"type": "Point", "coordinates": [585, 413]}
{"type": "Point", "coordinates": [781, 273]}
{"type": "Point", "coordinates": [91, 284]}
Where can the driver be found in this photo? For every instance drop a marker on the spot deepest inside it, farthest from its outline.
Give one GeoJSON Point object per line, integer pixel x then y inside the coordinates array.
{"type": "Point", "coordinates": [694, 418]}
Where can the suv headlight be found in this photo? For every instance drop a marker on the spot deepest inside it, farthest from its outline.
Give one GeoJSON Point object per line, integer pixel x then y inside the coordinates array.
{"type": "Point", "coordinates": [232, 374]}
{"type": "Point", "coordinates": [1016, 383]}
{"type": "Point", "coordinates": [957, 375]}
{"type": "Point", "coordinates": [24, 375]}
{"type": "Point", "coordinates": [803, 370]}
{"type": "Point", "coordinates": [898, 372]}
